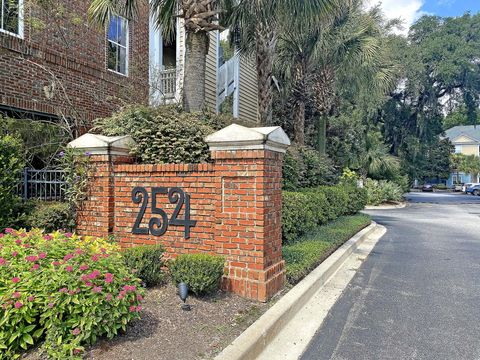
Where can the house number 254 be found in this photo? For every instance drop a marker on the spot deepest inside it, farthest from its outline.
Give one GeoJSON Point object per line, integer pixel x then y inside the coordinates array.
{"type": "Point", "coordinates": [158, 226]}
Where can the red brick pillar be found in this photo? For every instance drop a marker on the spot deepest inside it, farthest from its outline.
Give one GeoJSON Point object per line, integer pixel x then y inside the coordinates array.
{"type": "Point", "coordinates": [96, 215]}
{"type": "Point", "coordinates": [248, 174]}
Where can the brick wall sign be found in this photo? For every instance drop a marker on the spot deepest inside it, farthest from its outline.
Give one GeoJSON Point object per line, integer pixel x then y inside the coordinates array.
{"type": "Point", "coordinates": [231, 207]}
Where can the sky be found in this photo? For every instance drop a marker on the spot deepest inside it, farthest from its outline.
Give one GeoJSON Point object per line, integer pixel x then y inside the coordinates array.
{"type": "Point", "coordinates": [411, 10]}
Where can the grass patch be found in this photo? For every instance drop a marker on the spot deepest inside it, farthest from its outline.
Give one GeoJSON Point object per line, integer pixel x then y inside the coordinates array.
{"type": "Point", "coordinates": [308, 252]}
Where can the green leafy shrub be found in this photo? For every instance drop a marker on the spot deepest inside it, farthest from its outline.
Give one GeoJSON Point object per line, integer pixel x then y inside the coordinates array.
{"type": "Point", "coordinates": [304, 211]}
{"type": "Point", "coordinates": [147, 263]}
{"type": "Point", "coordinates": [304, 168]}
{"type": "Point", "coordinates": [165, 134]}
{"type": "Point", "coordinates": [382, 191]}
{"type": "Point", "coordinates": [337, 198]}
{"type": "Point", "coordinates": [64, 290]}
{"type": "Point", "coordinates": [50, 216]}
{"type": "Point", "coordinates": [11, 165]}
{"type": "Point", "coordinates": [201, 272]}
{"type": "Point", "coordinates": [440, 186]}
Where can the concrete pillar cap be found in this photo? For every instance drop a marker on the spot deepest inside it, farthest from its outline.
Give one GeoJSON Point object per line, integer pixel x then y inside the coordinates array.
{"type": "Point", "coordinates": [103, 145]}
{"type": "Point", "coordinates": [238, 137]}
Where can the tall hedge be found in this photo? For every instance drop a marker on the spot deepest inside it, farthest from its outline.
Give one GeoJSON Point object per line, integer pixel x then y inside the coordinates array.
{"type": "Point", "coordinates": [306, 168]}
{"type": "Point", "coordinates": [165, 134]}
{"type": "Point", "coordinates": [11, 165]}
{"type": "Point", "coordinates": [304, 211]}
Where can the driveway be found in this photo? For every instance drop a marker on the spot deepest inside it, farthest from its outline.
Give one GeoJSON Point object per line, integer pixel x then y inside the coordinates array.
{"type": "Point", "coordinates": [417, 296]}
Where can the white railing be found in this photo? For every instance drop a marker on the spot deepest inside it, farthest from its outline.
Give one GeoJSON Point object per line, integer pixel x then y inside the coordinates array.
{"type": "Point", "coordinates": [227, 80]}
{"type": "Point", "coordinates": [163, 85]}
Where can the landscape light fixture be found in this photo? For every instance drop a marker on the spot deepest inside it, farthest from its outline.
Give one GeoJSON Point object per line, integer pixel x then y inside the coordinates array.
{"type": "Point", "coordinates": [183, 293]}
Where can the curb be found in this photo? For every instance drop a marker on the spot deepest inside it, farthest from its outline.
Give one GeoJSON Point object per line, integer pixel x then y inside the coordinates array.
{"type": "Point", "coordinates": [254, 340]}
{"type": "Point", "coordinates": [386, 207]}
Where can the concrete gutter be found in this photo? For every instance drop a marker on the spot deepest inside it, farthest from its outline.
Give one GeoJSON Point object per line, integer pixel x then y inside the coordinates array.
{"type": "Point", "coordinates": [251, 343]}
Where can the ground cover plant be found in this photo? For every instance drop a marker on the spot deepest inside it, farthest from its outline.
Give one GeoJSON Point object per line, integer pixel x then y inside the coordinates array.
{"type": "Point", "coordinates": [62, 291]}
{"type": "Point", "coordinates": [308, 252]}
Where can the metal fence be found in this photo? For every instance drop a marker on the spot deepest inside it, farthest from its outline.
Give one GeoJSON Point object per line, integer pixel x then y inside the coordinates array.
{"type": "Point", "coordinates": [45, 184]}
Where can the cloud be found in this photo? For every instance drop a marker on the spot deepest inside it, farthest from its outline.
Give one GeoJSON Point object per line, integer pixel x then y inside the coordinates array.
{"type": "Point", "coordinates": [407, 10]}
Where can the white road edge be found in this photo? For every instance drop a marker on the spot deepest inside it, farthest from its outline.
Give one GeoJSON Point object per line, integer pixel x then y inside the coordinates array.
{"type": "Point", "coordinates": [287, 328]}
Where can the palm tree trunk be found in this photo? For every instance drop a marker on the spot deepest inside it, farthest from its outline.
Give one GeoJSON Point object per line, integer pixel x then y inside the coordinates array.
{"type": "Point", "coordinates": [299, 123]}
{"type": "Point", "coordinates": [196, 49]}
{"type": "Point", "coordinates": [322, 135]}
{"type": "Point", "coordinates": [265, 51]}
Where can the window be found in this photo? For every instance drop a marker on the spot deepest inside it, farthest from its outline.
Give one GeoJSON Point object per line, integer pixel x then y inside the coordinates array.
{"type": "Point", "coordinates": [10, 17]}
{"type": "Point", "coordinates": [458, 149]}
{"type": "Point", "coordinates": [117, 51]}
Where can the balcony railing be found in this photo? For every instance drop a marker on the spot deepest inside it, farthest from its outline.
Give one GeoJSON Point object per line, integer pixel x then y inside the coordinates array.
{"type": "Point", "coordinates": [163, 85]}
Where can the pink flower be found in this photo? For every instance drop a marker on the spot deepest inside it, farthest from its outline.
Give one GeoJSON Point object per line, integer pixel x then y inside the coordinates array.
{"type": "Point", "coordinates": [108, 278]}
{"type": "Point", "coordinates": [94, 274]}
{"type": "Point", "coordinates": [63, 290]}
{"type": "Point", "coordinates": [42, 255]}
{"type": "Point", "coordinates": [18, 241]}
{"type": "Point", "coordinates": [79, 251]}
{"type": "Point", "coordinates": [9, 231]}
{"type": "Point", "coordinates": [51, 305]}
{"type": "Point", "coordinates": [129, 288]}
{"type": "Point", "coordinates": [83, 267]}
{"type": "Point", "coordinates": [68, 257]}
{"type": "Point", "coordinates": [56, 263]}
{"type": "Point", "coordinates": [14, 254]}
{"type": "Point", "coordinates": [2, 235]}
{"type": "Point", "coordinates": [2, 261]}
{"type": "Point", "coordinates": [31, 258]}
{"type": "Point", "coordinates": [15, 280]}
{"type": "Point", "coordinates": [103, 250]}
{"type": "Point", "coordinates": [31, 298]}
{"type": "Point", "coordinates": [18, 305]}
{"type": "Point", "coordinates": [139, 308]}
{"type": "Point", "coordinates": [108, 297]}
{"type": "Point", "coordinates": [84, 278]}
{"type": "Point", "coordinates": [16, 295]}
{"type": "Point", "coordinates": [35, 267]}
{"type": "Point", "coordinates": [97, 289]}
{"type": "Point", "coordinates": [76, 331]}
{"type": "Point", "coordinates": [48, 237]}
{"type": "Point", "coordinates": [69, 268]}
{"type": "Point", "coordinates": [95, 258]}
{"type": "Point", "coordinates": [88, 283]}
{"type": "Point", "coordinates": [23, 235]}
{"type": "Point", "coordinates": [139, 297]}
{"type": "Point", "coordinates": [68, 235]}
{"type": "Point", "coordinates": [27, 246]}
{"type": "Point", "coordinates": [77, 351]}
{"type": "Point", "coordinates": [120, 296]}
{"type": "Point", "coordinates": [133, 308]}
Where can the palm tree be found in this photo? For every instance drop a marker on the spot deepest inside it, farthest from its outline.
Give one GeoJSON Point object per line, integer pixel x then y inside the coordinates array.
{"type": "Point", "coordinates": [311, 59]}
{"type": "Point", "coordinates": [260, 23]}
{"type": "Point", "coordinates": [200, 16]}
{"type": "Point", "coordinates": [376, 161]}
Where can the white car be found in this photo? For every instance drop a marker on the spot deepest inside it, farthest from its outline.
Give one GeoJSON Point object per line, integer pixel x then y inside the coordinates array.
{"type": "Point", "coordinates": [466, 186]}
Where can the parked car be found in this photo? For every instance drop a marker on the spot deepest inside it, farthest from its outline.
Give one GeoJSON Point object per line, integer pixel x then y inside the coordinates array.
{"type": "Point", "coordinates": [427, 188]}
{"type": "Point", "coordinates": [458, 187]}
{"type": "Point", "coordinates": [467, 185]}
{"type": "Point", "coordinates": [474, 190]}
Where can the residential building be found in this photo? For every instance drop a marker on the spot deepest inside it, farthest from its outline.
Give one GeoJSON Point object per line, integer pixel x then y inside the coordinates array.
{"type": "Point", "coordinates": [54, 64]}
{"type": "Point", "coordinates": [466, 140]}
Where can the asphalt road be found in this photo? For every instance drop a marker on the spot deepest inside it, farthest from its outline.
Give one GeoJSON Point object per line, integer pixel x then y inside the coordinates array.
{"type": "Point", "coordinates": [417, 296]}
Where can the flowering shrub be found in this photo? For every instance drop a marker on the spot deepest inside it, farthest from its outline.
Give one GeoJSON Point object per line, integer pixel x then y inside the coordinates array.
{"type": "Point", "coordinates": [62, 289]}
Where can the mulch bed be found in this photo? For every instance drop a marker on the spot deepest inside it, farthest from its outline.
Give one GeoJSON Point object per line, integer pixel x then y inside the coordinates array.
{"type": "Point", "coordinates": [167, 332]}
